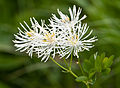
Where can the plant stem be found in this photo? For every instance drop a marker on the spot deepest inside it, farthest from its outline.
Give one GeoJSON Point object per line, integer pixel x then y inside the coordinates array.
{"type": "Point", "coordinates": [64, 68]}
{"type": "Point", "coordinates": [71, 60]}
{"type": "Point", "coordinates": [65, 62]}
{"type": "Point", "coordinates": [69, 70]}
{"type": "Point", "coordinates": [87, 85]}
{"type": "Point", "coordinates": [58, 64]}
{"type": "Point", "coordinates": [73, 74]}
{"type": "Point", "coordinates": [80, 66]}
{"type": "Point", "coordinates": [82, 72]}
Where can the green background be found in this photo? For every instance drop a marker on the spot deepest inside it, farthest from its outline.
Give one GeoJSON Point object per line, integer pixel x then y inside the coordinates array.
{"type": "Point", "coordinates": [17, 70]}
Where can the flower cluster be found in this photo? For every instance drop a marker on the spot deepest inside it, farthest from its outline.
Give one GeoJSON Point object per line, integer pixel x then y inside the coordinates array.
{"type": "Point", "coordinates": [63, 36]}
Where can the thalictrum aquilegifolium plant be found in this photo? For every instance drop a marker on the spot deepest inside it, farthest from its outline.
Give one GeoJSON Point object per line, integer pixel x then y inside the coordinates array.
{"type": "Point", "coordinates": [65, 36]}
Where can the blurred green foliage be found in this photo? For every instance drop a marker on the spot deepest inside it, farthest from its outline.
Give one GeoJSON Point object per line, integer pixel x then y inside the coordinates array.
{"type": "Point", "coordinates": [17, 70]}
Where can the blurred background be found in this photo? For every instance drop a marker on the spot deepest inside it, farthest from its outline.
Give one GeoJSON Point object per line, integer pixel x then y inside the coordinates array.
{"type": "Point", "coordinates": [17, 70]}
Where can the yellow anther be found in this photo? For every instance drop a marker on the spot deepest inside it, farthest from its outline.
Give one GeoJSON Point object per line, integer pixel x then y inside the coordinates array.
{"type": "Point", "coordinates": [67, 18]}
{"type": "Point", "coordinates": [73, 39]}
{"type": "Point", "coordinates": [48, 38]}
{"type": "Point", "coordinates": [63, 21]}
{"type": "Point", "coordinates": [46, 35]}
{"type": "Point", "coordinates": [44, 40]}
{"type": "Point", "coordinates": [76, 36]}
{"type": "Point", "coordinates": [53, 35]}
{"type": "Point", "coordinates": [30, 33]}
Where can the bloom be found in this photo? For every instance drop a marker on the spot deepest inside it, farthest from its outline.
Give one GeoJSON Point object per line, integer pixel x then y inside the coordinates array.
{"type": "Point", "coordinates": [29, 39]}
{"type": "Point", "coordinates": [39, 39]}
{"type": "Point", "coordinates": [62, 36]}
{"type": "Point", "coordinates": [77, 40]}
{"type": "Point", "coordinates": [65, 21]}
{"type": "Point", "coordinates": [47, 46]}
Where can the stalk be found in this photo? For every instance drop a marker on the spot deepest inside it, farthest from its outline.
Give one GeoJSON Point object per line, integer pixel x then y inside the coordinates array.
{"type": "Point", "coordinates": [68, 70]}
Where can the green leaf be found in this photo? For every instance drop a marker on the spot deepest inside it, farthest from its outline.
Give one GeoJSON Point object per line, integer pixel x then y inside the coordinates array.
{"type": "Point", "coordinates": [91, 74]}
{"type": "Point", "coordinates": [102, 56]}
{"type": "Point", "coordinates": [87, 66]}
{"type": "Point", "coordinates": [106, 71]}
{"type": "Point", "coordinates": [107, 62]}
{"type": "Point", "coordinates": [92, 59]}
{"type": "Point", "coordinates": [81, 78]}
{"type": "Point", "coordinates": [98, 64]}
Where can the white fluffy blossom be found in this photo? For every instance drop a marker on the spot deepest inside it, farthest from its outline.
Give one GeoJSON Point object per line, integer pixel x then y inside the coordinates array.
{"type": "Point", "coordinates": [77, 40]}
{"type": "Point", "coordinates": [37, 39]}
{"type": "Point", "coordinates": [65, 21]}
{"type": "Point", "coordinates": [48, 45]}
{"type": "Point", "coordinates": [62, 36]}
{"type": "Point", "coordinates": [28, 39]}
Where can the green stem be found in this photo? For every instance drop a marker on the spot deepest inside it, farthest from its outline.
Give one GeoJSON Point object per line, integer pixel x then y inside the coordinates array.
{"type": "Point", "coordinates": [64, 68]}
{"type": "Point", "coordinates": [69, 69]}
{"type": "Point", "coordinates": [65, 62]}
{"type": "Point", "coordinates": [71, 60]}
{"type": "Point", "coordinates": [88, 86]}
{"type": "Point", "coordinates": [80, 66]}
{"type": "Point", "coordinates": [73, 74]}
{"type": "Point", "coordinates": [58, 64]}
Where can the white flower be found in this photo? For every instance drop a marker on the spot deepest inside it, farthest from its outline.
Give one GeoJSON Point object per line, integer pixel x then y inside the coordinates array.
{"type": "Point", "coordinates": [63, 36]}
{"type": "Point", "coordinates": [65, 21]}
{"type": "Point", "coordinates": [41, 40]}
{"type": "Point", "coordinates": [30, 38]}
{"type": "Point", "coordinates": [47, 46]}
{"type": "Point", "coordinates": [77, 41]}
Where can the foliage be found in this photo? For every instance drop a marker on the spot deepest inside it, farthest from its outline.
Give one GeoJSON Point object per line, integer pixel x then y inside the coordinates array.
{"type": "Point", "coordinates": [97, 65]}
{"type": "Point", "coordinates": [18, 70]}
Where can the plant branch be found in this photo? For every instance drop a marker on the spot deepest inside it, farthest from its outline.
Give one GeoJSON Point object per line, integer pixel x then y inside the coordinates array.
{"type": "Point", "coordinates": [68, 70]}
{"type": "Point", "coordinates": [65, 62]}
{"type": "Point", "coordinates": [71, 60]}
{"type": "Point", "coordinates": [87, 85]}
{"type": "Point", "coordinates": [80, 66]}
{"type": "Point", "coordinates": [58, 64]}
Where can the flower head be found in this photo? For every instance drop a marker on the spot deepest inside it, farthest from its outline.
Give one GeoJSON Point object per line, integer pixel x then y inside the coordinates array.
{"type": "Point", "coordinates": [47, 46]}
{"type": "Point", "coordinates": [28, 39]}
{"type": "Point", "coordinates": [65, 21]}
{"type": "Point", "coordinates": [39, 39]}
{"type": "Point", "coordinates": [62, 36]}
{"type": "Point", "coordinates": [77, 41]}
